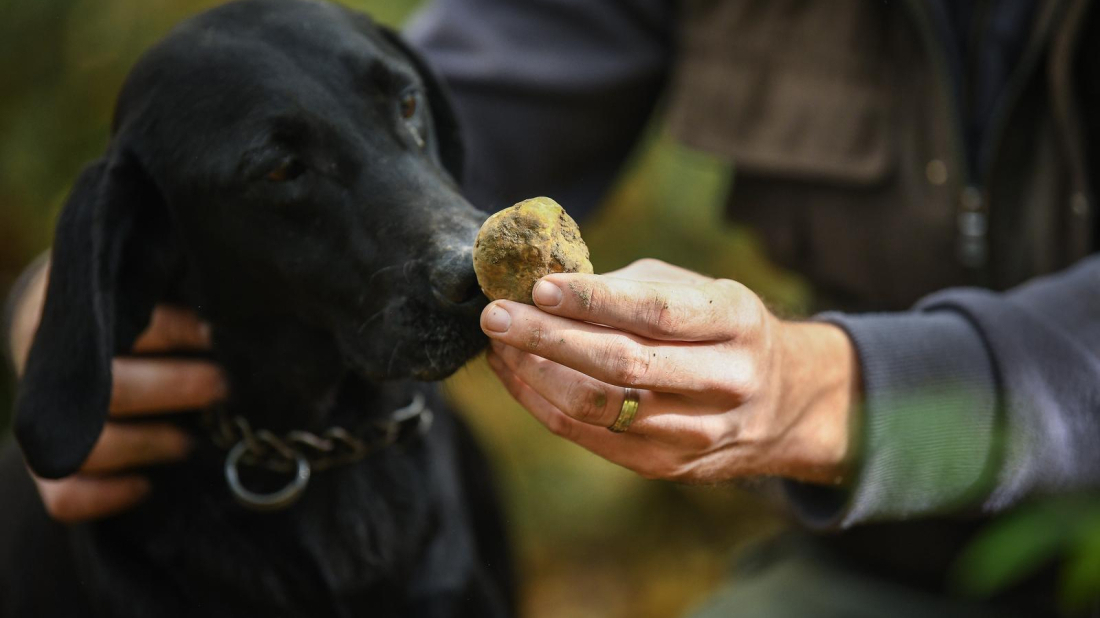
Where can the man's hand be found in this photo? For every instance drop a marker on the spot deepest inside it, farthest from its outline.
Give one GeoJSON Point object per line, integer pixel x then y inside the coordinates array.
{"type": "Point", "coordinates": [142, 386]}
{"type": "Point", "coordinates": [727, 389]}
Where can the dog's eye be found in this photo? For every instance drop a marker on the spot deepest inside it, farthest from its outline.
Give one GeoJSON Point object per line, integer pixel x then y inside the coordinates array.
{"type": "Point", "coordinates": [409, 103]}
{"type": "Point", "coordinates": [289, 169]}
{"type": "Point", "coordinates": [409, 107]}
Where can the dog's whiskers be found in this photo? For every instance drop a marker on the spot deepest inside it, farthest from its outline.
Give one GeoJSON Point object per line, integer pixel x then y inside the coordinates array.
{"type": "Point", "coordinates": [431, 359]}
{"type": "Point", "coordinates": [393, 357]}
{"type": "Point", "coordinates": [384, 269]}
{"type": "Point", "coordinates": [363, 325]}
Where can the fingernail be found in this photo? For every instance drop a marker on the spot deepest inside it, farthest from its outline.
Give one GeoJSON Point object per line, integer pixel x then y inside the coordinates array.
{"type": "Point", "coordinates": [546, 294]}
{"type": "Point", "coordinates": [497, 320]}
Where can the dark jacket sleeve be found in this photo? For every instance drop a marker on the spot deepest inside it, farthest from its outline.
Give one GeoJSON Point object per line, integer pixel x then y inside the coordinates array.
{"type": "Point", "coordinates": [974, 400]}
{"type": "Point", "coordinates": [551, 95]}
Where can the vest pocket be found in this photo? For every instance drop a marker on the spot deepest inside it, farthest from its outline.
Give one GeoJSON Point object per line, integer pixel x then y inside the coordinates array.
{"type": "Point", "coordinates": [784, 88]}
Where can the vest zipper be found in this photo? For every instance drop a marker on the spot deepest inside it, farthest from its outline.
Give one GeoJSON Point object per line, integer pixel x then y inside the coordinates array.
{"type": "Point", "coordinates": [1025, 67]}
{"type": "Point", "coordinates": [972, 220]}
{"type": "Point", "coordinates": [973, 201]}
{"type": "Point", "coordinates": [971, 226]}
{"type": "Point", "coordinates": [934, 48]}
{"type": "Point", "coordinates": [1065, 105]}
{"type": "Point", "coordinates": [1017, 83]}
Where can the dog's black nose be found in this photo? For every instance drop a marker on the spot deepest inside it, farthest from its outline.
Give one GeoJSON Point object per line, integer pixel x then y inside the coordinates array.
{"type": "Point", "coordinates": [453, 278]}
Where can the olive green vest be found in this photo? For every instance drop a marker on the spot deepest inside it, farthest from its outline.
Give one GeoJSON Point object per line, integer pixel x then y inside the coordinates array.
{"type": "Point", "coordinates": [841, 123]}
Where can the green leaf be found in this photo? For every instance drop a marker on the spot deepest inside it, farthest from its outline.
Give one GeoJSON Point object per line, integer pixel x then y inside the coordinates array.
{"type": "Point", "coordinates": [1080, 582]}
{"type": "Point", "coordinates": [1011, 549]}
{"type": "Point", "coordinates": [1018, 544]}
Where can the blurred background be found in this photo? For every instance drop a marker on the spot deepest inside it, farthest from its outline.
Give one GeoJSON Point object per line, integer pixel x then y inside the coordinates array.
{"type": "Point", "coordinates": [591, 538]}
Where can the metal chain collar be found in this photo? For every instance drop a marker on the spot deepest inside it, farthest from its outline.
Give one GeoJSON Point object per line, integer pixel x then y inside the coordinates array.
{"type": "Point", "coordinates": [300, 452]}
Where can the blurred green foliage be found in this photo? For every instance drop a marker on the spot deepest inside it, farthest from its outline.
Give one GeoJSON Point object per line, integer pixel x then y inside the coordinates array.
{"type": "Point", "coordinates": [1065, 530]}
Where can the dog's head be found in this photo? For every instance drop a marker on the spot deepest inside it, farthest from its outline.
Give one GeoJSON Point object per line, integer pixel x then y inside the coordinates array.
{"type": "Point", "coordinates": [293, 164]}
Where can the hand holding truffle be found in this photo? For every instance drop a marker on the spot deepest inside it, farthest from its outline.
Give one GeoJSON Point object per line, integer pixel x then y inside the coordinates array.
{"type": "Point", "coordinates": [725, 389]}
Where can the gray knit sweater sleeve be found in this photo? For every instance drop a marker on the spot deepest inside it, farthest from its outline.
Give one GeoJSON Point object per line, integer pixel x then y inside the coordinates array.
{"type": "Point", "coordinates": [974, 400]}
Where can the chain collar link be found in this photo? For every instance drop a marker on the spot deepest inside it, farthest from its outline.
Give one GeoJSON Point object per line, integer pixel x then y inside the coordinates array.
{"type": "Point", "coordinates": [300, 452]}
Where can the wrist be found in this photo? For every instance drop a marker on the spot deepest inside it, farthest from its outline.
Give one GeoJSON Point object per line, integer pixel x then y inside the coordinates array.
{"type": "Point", "coordinates": [820, 386]}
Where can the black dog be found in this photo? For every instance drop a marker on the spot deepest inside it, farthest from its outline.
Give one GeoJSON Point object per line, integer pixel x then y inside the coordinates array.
{"type": "Point", "coordinates": [286, 168]}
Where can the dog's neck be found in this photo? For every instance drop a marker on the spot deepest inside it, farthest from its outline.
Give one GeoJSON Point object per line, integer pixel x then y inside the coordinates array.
{"type": "Point", "coordinates": [284, 375]}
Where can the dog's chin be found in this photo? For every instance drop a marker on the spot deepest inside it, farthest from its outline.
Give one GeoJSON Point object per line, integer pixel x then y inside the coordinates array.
{"type": "Point", "coordinates": [414, 343]}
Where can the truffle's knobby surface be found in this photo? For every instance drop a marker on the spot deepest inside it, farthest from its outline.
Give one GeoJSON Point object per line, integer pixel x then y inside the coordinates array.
{"type": "Point", "coordinates": [519, 245]}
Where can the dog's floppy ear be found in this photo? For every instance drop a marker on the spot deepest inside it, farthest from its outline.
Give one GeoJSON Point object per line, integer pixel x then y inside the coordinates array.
{"type": "Point", "coordinates": [451, 151]}
{"type": "Point", "coordinates": [100, 295]}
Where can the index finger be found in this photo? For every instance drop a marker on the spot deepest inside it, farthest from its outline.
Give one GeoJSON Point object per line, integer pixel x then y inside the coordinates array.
{"type": "Point", "coordinates": [712, 311]}
{"type": "Point", "coordinates": [613, 356]}
{"type": "Point", "coordinates": [173, 328]}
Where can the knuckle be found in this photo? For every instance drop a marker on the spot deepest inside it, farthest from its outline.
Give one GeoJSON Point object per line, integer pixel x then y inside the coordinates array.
{"type": "Point", "coordinates": [512, 385]}
{"type": "Point", "coordinates": [753, 434]}
{"type": "Point", "coordinates": [534, 337]}
{"type": "Point", "coordinates": [749, 379]}
{"type": "Point", "coordinates": [202, 384]}
{"type": "Point", "coordinates": [646, 263]}
{"type": "Point", "coordinates": [659, 317]}
{"type": "Point", "coordinates": [588, 403]}
{"type": "Point", "coordinates": [752, 382]}
{"type": "Point", "coordinates": [194, 384]}
{"type": "Point", "coordinates": [165, 441]}
{"type": "Point", "coordinates": [681, 473]}
{"type": "Point", "coordinates": [526, 365]}
{"type": "Point", "coordinates": [190, 380]}
{"type": "Point", "coordinates": [560, 426]}
{"type": "Point", "coordinates": [730, 288]}
{"type": "Point", "coordinates": [180, 333]}
{"type": "Point", "coordinates": [745, 311]}
{"type": "Point", "coordinates": [592, 297]}
{"type": "Point", "coordinates": [652, 468]}
{"type": "Point", "coordinates": [699, 438]}
{"type": "Point", "coordinates": [752, 312]}
{"type": "Point", "coordinates": [743, 381]}
{"type": "Point", "coordinates": [662, 467]}
{"type": "Point", "coordinates": [630, 362]}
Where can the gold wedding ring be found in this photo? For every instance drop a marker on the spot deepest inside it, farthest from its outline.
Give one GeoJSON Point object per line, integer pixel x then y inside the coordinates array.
{"type": "Point", "coordinates": [627, 412]}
